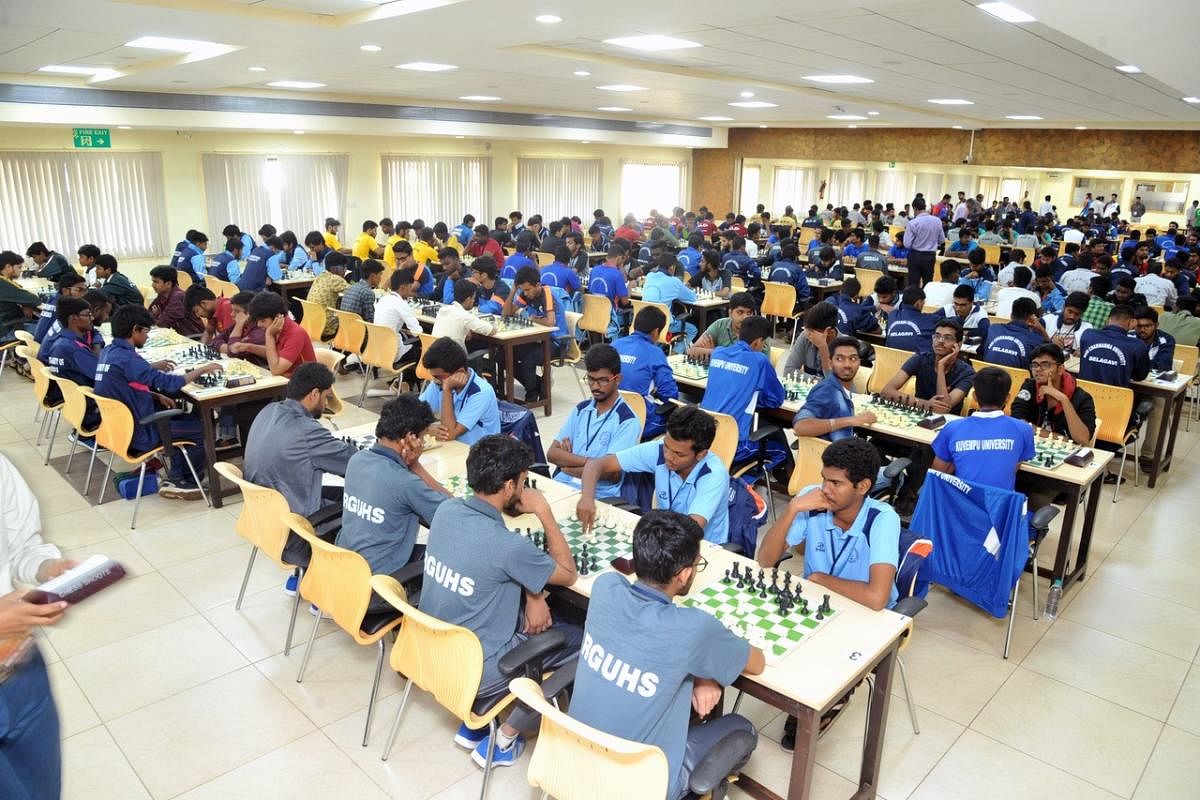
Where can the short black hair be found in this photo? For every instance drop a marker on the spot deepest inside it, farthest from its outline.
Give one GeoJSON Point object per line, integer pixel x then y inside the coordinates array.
{"type": "Point", "coordinates": [445, 354]}
{"type": "Point", "coordinates": [97, 299]}
{"type": "Point", "coordinates": [561, 254]}
{"type": "Point", "coordinates": [911, 296]}
{"type": "Point", "coordinates": [313, 238]}
{"type": "Point", "coordinates": [69, 279]}
{"type": "Point", "coordinates": [307, 377]}
{"type": "Point", "coordinates": [1049, 349]}
{"type": "Point", "coordinates": [368, 224]}
{"type": "Point", "coordinates": [234, 244]}
{"type": "Point", "coordinates": [403, 415]}
{"type": "Point", "coordinates": [821, 317]}
{"type": "Point", "coordinates": [336, 262]}
{"type": "Point", "coordinates": [267, 231]}
{"type": "Point", "coordinates": [649, 320]}
{"type": "Point", "coordinates": [991, 386]}
{"type": "Point", "coordinates": [230, 231]}
{"type": "Point", "coordinates": [965, 292]}
{"type": "Point", "coordinates": [242, 299]}
{"type": "Point", "coordinates": [950, 269]}
{"type": "Point", "coordinates": [1022, 276]}
{"type": "Point", "coordinates": [68, 307]}
{"type": "Point", "coordinates": [603, 356]}
{"type": "Point", "coordinates": [495, 460]}
{"type": "Point", "coordinates": [528, 275]}
{"type": "Point", "coordinates": [166, 274]}
{"type": "Point", "coordinates": [857, 457]}
{"type": "Point", "coordinates": [89, 250]}
{"type": "Point", "coordinates": [370, 267]}
{"type": "Point", "coordinates": [954, 325]}
{"type": "Point", "coordinates": [266, 305]}
{"type": "Point", "coordinates": [755, 328]}
{"type": "Point", "coordinates": [448, 253]}
{"type": "Point", "coordinates": [402, 277]}
{"type": "Point", "coordinates": [464, 289]}
{"type": "Point", "coordinates": [107, 261]}
{"type": "Point", "coordinates": [1142, 312]}
{"type": "Point", "coordinates": [1023, 308]}
{"type": "Point", "coordinates": [665, 542]}
{"type": "Point", "coordinates": [1099, 285]}
{"type": "Point", "coordinates": [843, 341]}
{"type": "Point", "coordinates": [743, 300]}
{"type": "Point", "coordinates": [195, 295]}
{"type": "Point", "coordinates": [485, 265]}
{"type": "Point", "coordinates": [128, 317]}
{"type": "Point", "coordinates": [850, 287]}
{"type": "Point", "coordinates": [886, 285]}
{"type": "Point", "coordinates": [1077, 300]}
{"type": "Point", "coordinates": [37, 249]}
{"type": "Point", "coordinates": [692, 424]}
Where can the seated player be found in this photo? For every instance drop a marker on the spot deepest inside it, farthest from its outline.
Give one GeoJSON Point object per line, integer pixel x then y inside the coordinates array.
{"type": "Point", "coordinates": [116, 284]}
{"type": "Point", "coordinates": [968, 314]}
{"type": "Point", "coordinates": [885, 297]}
{"type": "Point", "coordinates": [645, 369]}
{"type": "Point", "coordinates": [725, 331]}
{"type": "Point", "coordinates": [359, 297]}
{"type": "Point", "coordinates": [850, 542]}
{"type": "Point", "coordinates": [226, 265]}
{"type": "Point", "coordinates": [287, 345]}
{"type": "Point", "coordinates": [943, 376]}
{"type": "Point", "coordinates": [1160, 343]}
{"type": "Point", "coordinates": [465, 402]}
{"type": "Point", "coordinates": [1110, 355]}
{"type": "Point", "coordinates": [941, 293]}
{"type": "Point", "coordinates": [559, 272]}
{"type": "Point", "coordinates": [239, 340]}
{"type": "Point", "coordinates": [979, 275]}
{"type": "Point", "coordinates": [519, 259]}
{"type": "Point", "coordinates": [826, 265]}
{"type": "Point", "coordinates": [908, 327]}
{"type": "Point", "coordinates": [327, 287]}
{"type": "Point", "coordinates": [455, 320]}
{"type": "Point", "coordinates": [875, 255]}
{"type": "Point", "coordinates": [491, 291]}
{"type": "Point", "coordinates": [810, 352]}
{"type": "Point", "coordinates": [389, 494]}
{"type": "Point", "coordinates": [1010, 344]}
{"type": "Point", "coordinates": [484, 577]}
{"type": "Point", "coordinates": [662, 286]}
{"type": "Point", "coordinates": [711, 276]}
{"type": "Point", "coordinates": [393, 311]}
{"type": "Point", "coordinates": [167, 308]}
{"type": "Point", "coordinates": [609, 280]}
{"type": "Point", "coordinates": [70, 284]}
{"type": "Point", "coordinates": [688, 477]}
{"type": "Point", "coordinates": [201, 306]}
{"type": "Point", "coordinates": [124, 375]}
{"type": "Point", "coordinates": [1052, 401]}
{"type": "Point", "coordinates": [216, 313]}
{"type": "Point", "coordinates": [69, 354]}
{"type": "Point", "coordinates": [544, 305]}
{"type": "Point", "coordinates": [452, 271]}
{"type": "Point", "coordinates": [828, 410]}
{"type": "Point", "coordinates": [1009, 295]}
{"type": "Point", "coordinates": [854, 314]}
{"type": "Point", "coordinates": [51, 265]}
{"type": "Point", "coordinates": [627, 625]}
{"type": "Point", "coordinates": [741, 379]}
{"type": "Point", "coordinates": [1065, 327]}
{"type": "Point", "coordinates": [1051, 298]}
{"type": "Point", "coordinates": [987, 447]}
{"type": "Point", "coordinates": [605, 424]}
{"type": "Point", "coordinates": [787, 270]}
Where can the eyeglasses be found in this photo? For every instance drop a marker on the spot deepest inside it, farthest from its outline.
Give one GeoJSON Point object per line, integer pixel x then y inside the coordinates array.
{"type": "Point", "coordinates": [599, 381]}
{"type": "Point", "coordinates": [701, 564]}
{"type": "Point", "coordinates": [945, 337]}
{"type": "Point", "coordinates": [1039, 366]}
{"type": "Point", "coordinates": [139, 328]}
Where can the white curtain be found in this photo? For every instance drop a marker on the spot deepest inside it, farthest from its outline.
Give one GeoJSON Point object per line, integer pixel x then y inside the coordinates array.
{"type": "Point", "coordinates": [292, 192]}
{"type": "Point", "coordinates": [647, 185]}
{"type": "Point", "coordinates": [846, 186]}
{"type": "Point", "coordinates": [957, 183]}
{"type": "Point", "coordinates": [1014, 190]}
{"type": "Point", "coordinates": [314, 187]}
{"type": "Point", "coordinates": [894, 186]}
{"type": "Point", "coordinates": [116, 201]}
{"type": "Point", "coordinates": [748, 193]}
{"type": "Point", "coordinates": [235, 189]}
{"type": "Point", "coordinates": [558, 187]}
{"type": "Point", "coordinates": [928, 184]}
{"type": "Point", "coordinates": [796, 187]}
{"type": "Point", "coordinates": [437, 188]}
{"type": "Point", "coordinates": [989, 187]}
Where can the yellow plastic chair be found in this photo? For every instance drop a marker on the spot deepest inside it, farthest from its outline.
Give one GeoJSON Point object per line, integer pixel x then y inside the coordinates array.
{"type": "Point", "coordinates": [442, 659]}
{"type": "Point", "coordinates": [380, 353]}
{"type": "Point", "coordinates": [888, 361]}
{"type": "Point", "coordinates": [572, 355]}
{"type": "Point", "coordinates": [543, 259]}
{"type": "Point", "coordinates": [263, 523]}
{"type": "Point", "coordinates": [338, 582]}
{"type": "Point", "coordinates": [115, 435]}
{"type": "Point", "coordinates": [597, 315]}
{"type": "Point", "coordinates": [665, 336]}
{"type": "Point", "coordinates": [867, 278]}
{"type": "Point", "coordinates": [335, 406]}
{"type": "Point", "coordinates": [991, 254]}
{"type": "Point", "coordinates": [5, 349]}
{"type": "Point", "coordinates": [313, 320]}
{"type": "Point", "coordinates": [725, 443]}
{"type": "Point", "coordinates": [351, 333]}
{"type": "Point", "coordinates": [780, 301]}
{"type": "Point", "coordinates": [423, 374]}
{"type": "Point", "coordinates": [573, 761]}
{"type": "Point", "coordinates": [25, 337]}
{"type": "Point", "coordinates": [74, 409]}
{"type": "Point", "coordinates": [219, 287]}
{"type": "Point", "coordinates": [1018, 376]}
{"type": "Point", "coordinates": [1114, 406]}
{"type": "Point", "coordinates": [148, 295]}
{"type": "Point", "coordinates": [637, 403]}
{"type": "Point", "coordinates": [808, 463]}
{"type": "Point", "coordinates": [183, 280]}
{"type": "Point", "coordinates": [41, 389]}
{"type": "Point", "coordinates": [736, 284]}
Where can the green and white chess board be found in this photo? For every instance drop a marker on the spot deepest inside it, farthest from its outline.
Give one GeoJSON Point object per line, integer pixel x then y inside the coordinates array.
{"type": "Point", "coordinates": [1051, 451]}
{"type": "Point", "coordinates": [606, 541]}
{"type": "Point", "coordinates": [757, 619]}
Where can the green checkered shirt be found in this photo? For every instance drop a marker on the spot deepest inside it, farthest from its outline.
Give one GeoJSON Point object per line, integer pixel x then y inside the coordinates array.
{"type": "Point", "coordinates": [1096, 314]}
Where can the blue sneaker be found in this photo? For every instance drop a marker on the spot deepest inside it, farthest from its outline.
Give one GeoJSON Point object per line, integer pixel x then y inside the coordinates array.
{"type": "Point", "coordinates": [500, 758]}
{"type": "Point", "coordinates": [290, 585]}
{"type": "Point", "coordinates": [468, 738]}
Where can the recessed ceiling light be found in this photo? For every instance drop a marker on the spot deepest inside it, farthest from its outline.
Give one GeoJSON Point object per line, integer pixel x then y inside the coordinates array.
{"type": "Point", "coordinates": [97, 73]}
{"type": "Point", "coordinates": [762, 126]}
{"type": "Point", "coordinates": [844, 116]}
{"type": "Point", "coordinates": [957, 127]}
{"type": "Point", "coordinates": [298, 133]}
{"type": "Point", "coordinates": [837, 79]}
{"type": "Point", "coordinates": [652, 42]}
{"type": "Point", "coordinates": [1129, 68]}
{"type": "Point", "coordinates": [257, 69]}
{"type": "Point", "coordinates": [460, 137]}
{"type": "Point", "coordinates": [124, 127]}
{"type": "Point", "coordinates": [613, 108]}
{"type": "Point", "coordinates": [295, 84]}
{"type": "Point", "coordinates": [370, 48]}
{"type": "Point", "coordinates": [196, 49]}
{"type": "Point", "coordinates": [872, 113]}
{"type": "Point", "coordinates": [1023, 117]}
{"type": "Point", "coordinates": [716, 119]}
{"type": "Point", "coordinates": [622, 87]}
{"type": "Point", "coordinates": [1006, 12]}
{"type": "Point", "coordinates": [581, 73]}
{"type": "Point", "coordinates": [548, 19]}
{"type": "Point", "coordinates": [754, 104]}
{"type": "Point", "coordinates": [479, 98]}
{"type": "Point", "coordinates": [746, 95]}
{"type": "Point", "coordinates": [952, 101]}
{"type": "Point", "coordinates": [1081, 127]}
{"type": "Point", "coordinates": [426, 66]}
{"type": "Point", "coordinates": [1191, 99]}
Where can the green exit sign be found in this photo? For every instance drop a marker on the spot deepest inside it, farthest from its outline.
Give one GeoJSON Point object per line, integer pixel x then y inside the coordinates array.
{"type": "Point", "coordinates": [892, 164]}
{"type": "Point", "coordinates": [92, 137]}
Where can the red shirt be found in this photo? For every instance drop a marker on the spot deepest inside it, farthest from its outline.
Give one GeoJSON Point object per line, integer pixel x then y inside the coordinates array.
{"type": "Point", "coordinates": [489, 248]}
{"type": "Point", "coordinates": [706, 226]}
{"type": "Point", "coordinates": [294, 345]}
{"type": "Point", "coordinates": [224, 314]}
{"type": "Point", "coordinates": [626, 232]}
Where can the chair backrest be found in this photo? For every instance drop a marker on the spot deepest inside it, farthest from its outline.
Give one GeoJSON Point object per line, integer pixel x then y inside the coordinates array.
{"type": "Point", "coordinates": [25, 336]}
{"type": "Point", "coordinates": [1189, 356]}
{"type": "Point", "coordinates": [1114, 405]}
{"type": "Point", "coordinates": [381, 348]}
{"type": "Point", "coordinates": [638, 404]}
{"type": "Point", "coordinates": [116, 423]}
{"type": "Point", "coordinates": [263, 519]}
{"type": "Point", "coordinates": [808, 234]}
{"type": "Point", "coordinates": [1030, 254]}
{"type": "Point", "coordinates": [74, 406]}
{"type": "Point", "coordinates": [888, 361]}
{"type": "Point", "coordinates": [1018, 376]}
{"type": "Point", "coordinates": [597, 314]}
{"type": "Point", "coordinates": [991, 254]}
{"type": "Point", "coordinates": [737, 284]}
{"type": "Point", "coordinates": [443, 659]}
{"type": "Point", "coordinates": [427, 339]}
{"type": "Point", "coordinates": [725, 443]}
{"type": "Point", "coordinates": [572, 354]}
{"type": "Point", "coordinates": [780, 300]}
{"type": "Point", "coordinates": [867, 278]}
{"type": "Point", "coordinates": [314, 318]}
{"type": "Point", "coordinates": [914, 549]}
{"type": "Point", "coordinates": [331, 358]}
{"type": "Point", "coordinates": [543, 259]}
{"type": "Point", "coordinates": [148, 295]}
{"type": "Point", "coordinates": [664, 336]}
{"type": "Point", "coordinates": [573, 761]}
{"type": "Point", "coordinates": [337, 581]}
{"type": "Point", "coordinates": [183, 280]}
{"type": "Point", "coordinates": [808, 463]}
{"type": "Point", "coordinates": [40, 374]}
{"type": "Point", "coordinates": [350, 333]}
{"type": "Point", "coordinates": [862, 379]}
{"type": "Point", "coordinates": [777, 355]}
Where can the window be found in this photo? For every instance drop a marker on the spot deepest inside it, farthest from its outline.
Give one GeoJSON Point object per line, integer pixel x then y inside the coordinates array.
{"type": "Point", "coordinates": [989, 187]}
{"type": "Point", "coordinates": [1158, 195]}
{"type": "Point", "coordinates": [292, 192]}
{"type": "Point", "coordinates": [748, 193]}
{"type": "Point", "coordinates": [650, 185]}
{"type": "Point", "coordinates": [893, 186]}
{"type": "Point", "coordinates": [1101, 188]}
{"type": "Point", "coordinates": [847, 186]}
{"type": "Point", "coordinates": [1013, 189]}
{"type": "Point", "coordinates": [113, 200]}
{"type": "Point", "coordinates": [558, 187]}
{"type": "Point", "coordinates": [437, 188]}
{"type": "Point", "coordinates": [795, 187]}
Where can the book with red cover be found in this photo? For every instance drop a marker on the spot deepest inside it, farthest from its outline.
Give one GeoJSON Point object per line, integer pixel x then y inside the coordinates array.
{"type": "Point", "coordinates": [79, 583]}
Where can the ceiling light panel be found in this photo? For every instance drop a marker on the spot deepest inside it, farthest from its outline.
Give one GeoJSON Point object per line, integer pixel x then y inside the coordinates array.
{"type": "Point", "coordinates": [295, 84]}
{"type": "Point", "coordinates": [837, 79]}
{"type": "Point", "coordinates": [952, 101]}
{"type": "Point", "coordinates": [653, 43]}
{"type": "Point", "coordinates": [1006, 12]}
{"type": "Point", "coordinates": [754, 104]}
{"type": "Point", "coordinates": [621, 87]}
{"type": "Point", "coordinates": [426, 66]}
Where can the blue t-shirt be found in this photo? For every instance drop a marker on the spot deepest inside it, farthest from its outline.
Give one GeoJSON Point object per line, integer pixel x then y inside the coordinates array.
{"type": "Point", "coordinates": [909, 329]}
{"type": "Point", "coordinates": [596, 435]}
{"type": "Point", "coordinates": [552, 299]}
{"type": "Point", "coordinates": [608, 281]}
{"type": "Point", "coordinates": [644, 367]}
{"type": "Point", "coordinates": [854, 316]}
{"type": "Point", "coordinates": [791, 273]}
{"type": "Point", "coordinates": [689, 258]}
{"type": "Point", "coordinates": [562, 276]}
{"type": "Point", "coordinates": [475, 407]}
{"type": "Point", "coordinates": [874, 538]}
{"type": "Point", "coordinates": [986, 447]}
{"type": "Point", "coordinates": [739, 381]}
{"type": "Point", "coordinates": [514, 263]}
{"type": "Point", "coordinates": [629, 685]}
{"type": "Point", "coordinates": [828, 400]}
{"type": "Point", "coordinates": [704, 492]}
{"type": "Point", "coordinates": [1011, 344]}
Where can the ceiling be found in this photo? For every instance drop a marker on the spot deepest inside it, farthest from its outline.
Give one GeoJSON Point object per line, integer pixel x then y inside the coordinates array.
{"type": "Point", "coordinates": [1060, 68]}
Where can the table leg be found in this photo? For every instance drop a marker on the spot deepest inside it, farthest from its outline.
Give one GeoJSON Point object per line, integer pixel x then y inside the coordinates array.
{"type": "Point", "coordinates": [1156, 461]}
{"type": "Point", "coordinates": [804, 758]}
{"type": "Point", "coordinates": [547, 395]}
{"type": "Point", "coordinates": [508, 372]}
{"type": "Point", "coordinates": [868, 777]}
{"type": "Point", "coordinates": [210, 454]}
{"type": "Point", "coordinates": [1085, 535]}
{"type": "Point", "coordinates": [1177, 402]}
{"type": "Point", "coordinates": [1063, 556]}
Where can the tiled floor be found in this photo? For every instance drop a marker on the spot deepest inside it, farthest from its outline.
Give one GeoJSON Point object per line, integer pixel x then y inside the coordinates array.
{"type": "Point", "coordinates": [166, 691]}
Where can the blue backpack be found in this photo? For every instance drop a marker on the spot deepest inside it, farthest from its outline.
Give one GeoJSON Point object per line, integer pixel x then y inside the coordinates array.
{"type": "Point", "coordinates": [747, 512]}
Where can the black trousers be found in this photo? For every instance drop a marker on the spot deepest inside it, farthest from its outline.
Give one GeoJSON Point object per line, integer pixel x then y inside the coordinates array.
{"type": "Point", "coordinates": [920, 267]}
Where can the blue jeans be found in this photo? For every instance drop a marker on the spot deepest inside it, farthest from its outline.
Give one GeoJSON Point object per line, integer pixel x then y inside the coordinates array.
{"type": "Point", "coordinates": [189, 428]}
{"type": "Point", "coordinates": [30, 752]}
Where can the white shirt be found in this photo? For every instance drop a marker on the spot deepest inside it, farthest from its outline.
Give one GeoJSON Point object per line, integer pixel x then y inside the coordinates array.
{"type": "Point", "coordinates": [1006, 298]}
{"type": "Point", "coordinates": [22, 549]}
{"type": "Point", "coordinates": [751, 248]}
{"type": "Point", "coordinates": [1005, 276]}
{"type": "Point", "coordinates": [938, 293]}
{"type": "Point", "coordinates": [1157, 290]}
{"type": "Point", "coordinates": [1073, 235]}
{"type": "Point", "coordinates": [960, 212]}
{"type": "Point", "coordinates": [1045, 208]}
{"type": "Point", "coordinates": [1097, 205]}
{"type": "Point", "coordinates": [1071, 334]}
{"type": "Point", "coordinates": [1111, 208]}
{"type": "Point", "coordinates": [393, 311]}
{"type": "Point", "coordinates": [1076, 280]}
{"type": "Point", "coordinates": [455, 321]}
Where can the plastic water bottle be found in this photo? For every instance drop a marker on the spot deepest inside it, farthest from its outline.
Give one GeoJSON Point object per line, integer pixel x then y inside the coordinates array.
{"type": "Point", "coordinates": [1052, 600]}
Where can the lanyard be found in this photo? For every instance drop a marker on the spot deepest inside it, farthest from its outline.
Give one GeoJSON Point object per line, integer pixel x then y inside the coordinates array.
{"type": "Point", "coordinates": [838, 557]}
{"type": "Point", "coordinates": [604, 419]}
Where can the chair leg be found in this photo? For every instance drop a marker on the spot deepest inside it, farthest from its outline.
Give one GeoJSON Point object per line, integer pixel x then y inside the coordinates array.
{"type": "Point", "coordinates": [1120, 475]}
{"type": "Point", "coordinates": [1137, 459]}
{"type": "Point", "coordinates": [104, 483]}
{"type": "Point", "coordinates": [770, 494]}
{"type": "Point", "coordinates": [41, 429]}
{"type": "Point", "coordinates": [195, 477]}
{"type": "Point", "coordinates": [137, 501]}
{"type": "Point", "coordinates": [491, 753]}
{"type": "Point", "coordinates": [362, 395]}
{"type": "Point", "coordinates": [912, 707]}
{"type": "Point", "coordinates": [1012, 617]}
{"type": "Point", "coordinates": [87, 484]}
{"type": "Point", "coordinates": [246, 578]}
{"type": "Point", "coordinates": [53, 435]}
{"type": "Point", "coordinates": [374, 690]}
{"type": "Point", "coordinates": [287, 645]}
{"type": "Point", "coordinates": [71, 455]}
{"type": "Point", "coordinates": [307, 650]}
{"type": "Point", "coordinates": [737, 701]}
{"type": "Point", "coordinates": [391, 740]}
{"type": "Point", "coordinates": [1035, 581]}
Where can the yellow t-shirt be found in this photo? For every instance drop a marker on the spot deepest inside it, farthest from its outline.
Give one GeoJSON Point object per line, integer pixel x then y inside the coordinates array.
{"type": "Point", "coordinates": [363, 246]}
{"type": "Point", "coordinates": [453, 242]}
{"type": "Point", "coordinates": [331, 241]}
{"type": "Point", "coordinates": [423, 253]}
{"type": "Point", "coordinates": [389, 255]}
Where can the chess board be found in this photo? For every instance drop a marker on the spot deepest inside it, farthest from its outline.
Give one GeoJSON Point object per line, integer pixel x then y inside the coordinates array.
{"type": "Point", "coordinates": [686, 366]}
{"type": "Point", "coordinates": [457, 484]}
{"type": "Point", "coordinates": [215, 382]}
{"type": "Point", "coordinates": [159, 338]}
{"type": "Point", "coordinates": [504, 324]}
{"type": "Point", "coordinates": [797, 385]}
{"type": "Point", "coordinates": [1051, 451]}
{"type": "Point", "coordinates": [188, 357]}
{"type": "Point", "coordinates": [896, 414]}
{"type": "Point", "coordinates": [425, 308]}
{"type": "Point", "coordinates": [605, 543]}
{"type": "Point", "coordinates": [758, 620]}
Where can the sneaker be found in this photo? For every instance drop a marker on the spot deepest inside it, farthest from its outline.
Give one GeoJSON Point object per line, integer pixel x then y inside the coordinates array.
{"type": "Point", "coordinates": [316, 612]}
{"type": "Point", "coordinates": [500, 758]}
{"type": "Point", "coordinates": [290, 585]}
{"type": "Point", "coordinates": [469, 738]}
{"type": "Point", "coordinates": [179, 491]}
{"type": "Point", "coordinates": [787, 742]}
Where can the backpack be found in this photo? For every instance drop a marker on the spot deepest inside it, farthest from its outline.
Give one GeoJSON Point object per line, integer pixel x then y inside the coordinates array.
{"type": "Point", "coordinates": [747, 512]}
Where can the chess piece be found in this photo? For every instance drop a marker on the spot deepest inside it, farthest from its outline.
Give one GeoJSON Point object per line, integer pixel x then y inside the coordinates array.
{"type": "Point", "coordinates": [740, 583]}
{"type": "Point", "coordinates": [825, 604]}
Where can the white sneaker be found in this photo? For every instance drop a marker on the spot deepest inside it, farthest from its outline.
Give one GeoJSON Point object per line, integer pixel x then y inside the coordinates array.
{"type": "Point", "coordinates": [171, 491]}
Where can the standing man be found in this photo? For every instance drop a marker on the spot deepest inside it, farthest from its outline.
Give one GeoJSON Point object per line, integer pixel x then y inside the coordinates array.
{"type": "Point", "coordinates": [922, 237]}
